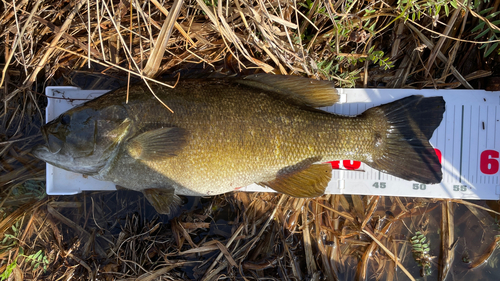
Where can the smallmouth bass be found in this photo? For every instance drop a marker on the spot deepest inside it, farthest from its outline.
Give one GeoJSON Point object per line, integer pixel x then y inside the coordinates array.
{"type": "Point", "coordinates": [227, 133]}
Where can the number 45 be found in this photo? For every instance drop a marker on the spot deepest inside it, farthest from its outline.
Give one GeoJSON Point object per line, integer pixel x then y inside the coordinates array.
{"type": "Point", "coordinates": [379, 184]}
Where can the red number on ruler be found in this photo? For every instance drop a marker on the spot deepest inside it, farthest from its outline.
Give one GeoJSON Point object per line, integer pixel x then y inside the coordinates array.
{"type": "Point", "coordinates": [335, 164]}
{"type": "Point", "coordinates": [348, 164]}
{"type": "Point", "coordinates": [438, 153]}
{"type": "Point", "coordinates": [351, 165]}
{"type": "Point", "coordinates": [489, 162]}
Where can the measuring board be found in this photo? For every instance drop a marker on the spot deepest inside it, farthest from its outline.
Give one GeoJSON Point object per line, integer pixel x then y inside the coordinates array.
{"type": "Point", "coordinates": [467, 143]}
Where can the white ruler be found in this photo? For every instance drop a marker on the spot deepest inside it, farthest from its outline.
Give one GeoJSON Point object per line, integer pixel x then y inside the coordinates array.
{"type": "Point", "coordinates": [468, 141]}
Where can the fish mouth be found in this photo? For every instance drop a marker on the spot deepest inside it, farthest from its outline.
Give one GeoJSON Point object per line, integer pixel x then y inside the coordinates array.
{"type": "Point", "coordinates": [41, 152]}
{"type": "Point", "coordinates": [65, 162]}
{"type": "Point", "coordinates": [52, 146]}
{"type": "Point", "coordinates": [44, 153]}
{"type": "Point", "coordinates": [53, 143]}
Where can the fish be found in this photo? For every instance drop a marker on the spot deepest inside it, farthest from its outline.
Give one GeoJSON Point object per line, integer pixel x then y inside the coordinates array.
{"type": "Point", "coordinates": [226, 133]}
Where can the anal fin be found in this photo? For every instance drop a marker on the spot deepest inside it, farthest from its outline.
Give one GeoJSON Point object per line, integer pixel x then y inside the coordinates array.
{"type": "Point", "coordinates": [308, 182]}
{"type": "Point", "coordinates": [164, 200]}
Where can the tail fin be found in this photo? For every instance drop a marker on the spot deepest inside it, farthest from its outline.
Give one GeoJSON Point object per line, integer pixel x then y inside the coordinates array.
{"type": "Point", "coordinates": [407, 152]}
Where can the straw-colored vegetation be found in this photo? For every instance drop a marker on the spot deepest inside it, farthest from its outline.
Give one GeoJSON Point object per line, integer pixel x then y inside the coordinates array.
{"type": "Point", "coordinates": [115, 236]}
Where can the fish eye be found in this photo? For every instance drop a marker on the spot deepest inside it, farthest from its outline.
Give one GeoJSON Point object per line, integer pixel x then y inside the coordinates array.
{"type": "Point", "coordinates": [65, 119]}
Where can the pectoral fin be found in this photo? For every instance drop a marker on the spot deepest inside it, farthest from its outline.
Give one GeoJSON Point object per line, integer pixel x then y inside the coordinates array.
{"type": "Point", "coordinates": [157, 144]}
{"type": "Point", "coordinates": [163, 200]}
{"type": "Point", "coordinates": [308, 182]}
{"type": "Point", "coordinates": [295, 89]}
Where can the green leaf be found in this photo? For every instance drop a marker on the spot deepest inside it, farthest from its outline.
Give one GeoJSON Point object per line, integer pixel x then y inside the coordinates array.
{"type": "Point", "coordinates": [37, 255]}
{"type": "Point", "coordinates": [483, 46]}
{"type": "Point", "coordinates": [478, 27]}
{"type": "Point", "coordinates": [485, 11]}
{"type": "Point", "coordinates": [490, 16]}
{"type": "Point", "coordinates": [447, 10]}
{"type": "Point", "coordinates": [8, 271]}
{"type": "Point", "coordinates": [329, 66]}
{"type": "Point", "coordinates": [454, 4]}
{"type": "Point", "coordinates": [9, 236]}
{"type": "Point", "coordinates": [495, 23]}
{"type": "Point", "coordinates": [372, 27]}
{"type": "Point", "coordinates": [482, 33]}
{"type": "Point", "coordinates": [491, 49]}
{"type": "Point", "coordinates": [476, 4]}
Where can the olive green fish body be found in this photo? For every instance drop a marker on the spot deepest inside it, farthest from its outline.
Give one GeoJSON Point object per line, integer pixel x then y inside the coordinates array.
{"type": "Point", "coordinates": [235, 137]}
{"type": "Point", "coordinates": [227, 133]}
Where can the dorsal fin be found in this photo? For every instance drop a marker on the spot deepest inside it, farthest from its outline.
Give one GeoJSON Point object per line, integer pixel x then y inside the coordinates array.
{"type": "Point", "coordinates": [294, 89]}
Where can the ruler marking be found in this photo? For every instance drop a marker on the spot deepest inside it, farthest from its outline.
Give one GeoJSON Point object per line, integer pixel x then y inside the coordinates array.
{"type": "Point", "coordinates": [469, 134]}
{"type": "Point", "coordinates": [486, 133]}
{"type": "Point", "coordinates": [479, 128]}
{"type": "Point", "coordinates": [487, 123]}
{"type": "Point", "coordinates": [485, 129]}
{"type": "Point", "coordinates": [468, 174]}
{"type": "Point", "coordinates": [461, 145]}
{"type": "Point", "coordinates": [453, 167]}
{"type": "Point", "coordinates": [444, 143]}
{"type": "Point", "coordinates": [470, 141]}
{"type": "Point", "coordinates": [453, 144]}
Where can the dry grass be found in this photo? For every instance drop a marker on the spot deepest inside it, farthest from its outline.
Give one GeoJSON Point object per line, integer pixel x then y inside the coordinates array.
{"type": "Point", "coordinates": [95, 44]}
{"type": "Point", "coordinates": [117, 236]}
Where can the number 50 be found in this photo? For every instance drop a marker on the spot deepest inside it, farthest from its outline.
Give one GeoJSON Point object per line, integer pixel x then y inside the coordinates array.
{"type": "Point", "coordinates": [420, 186]}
